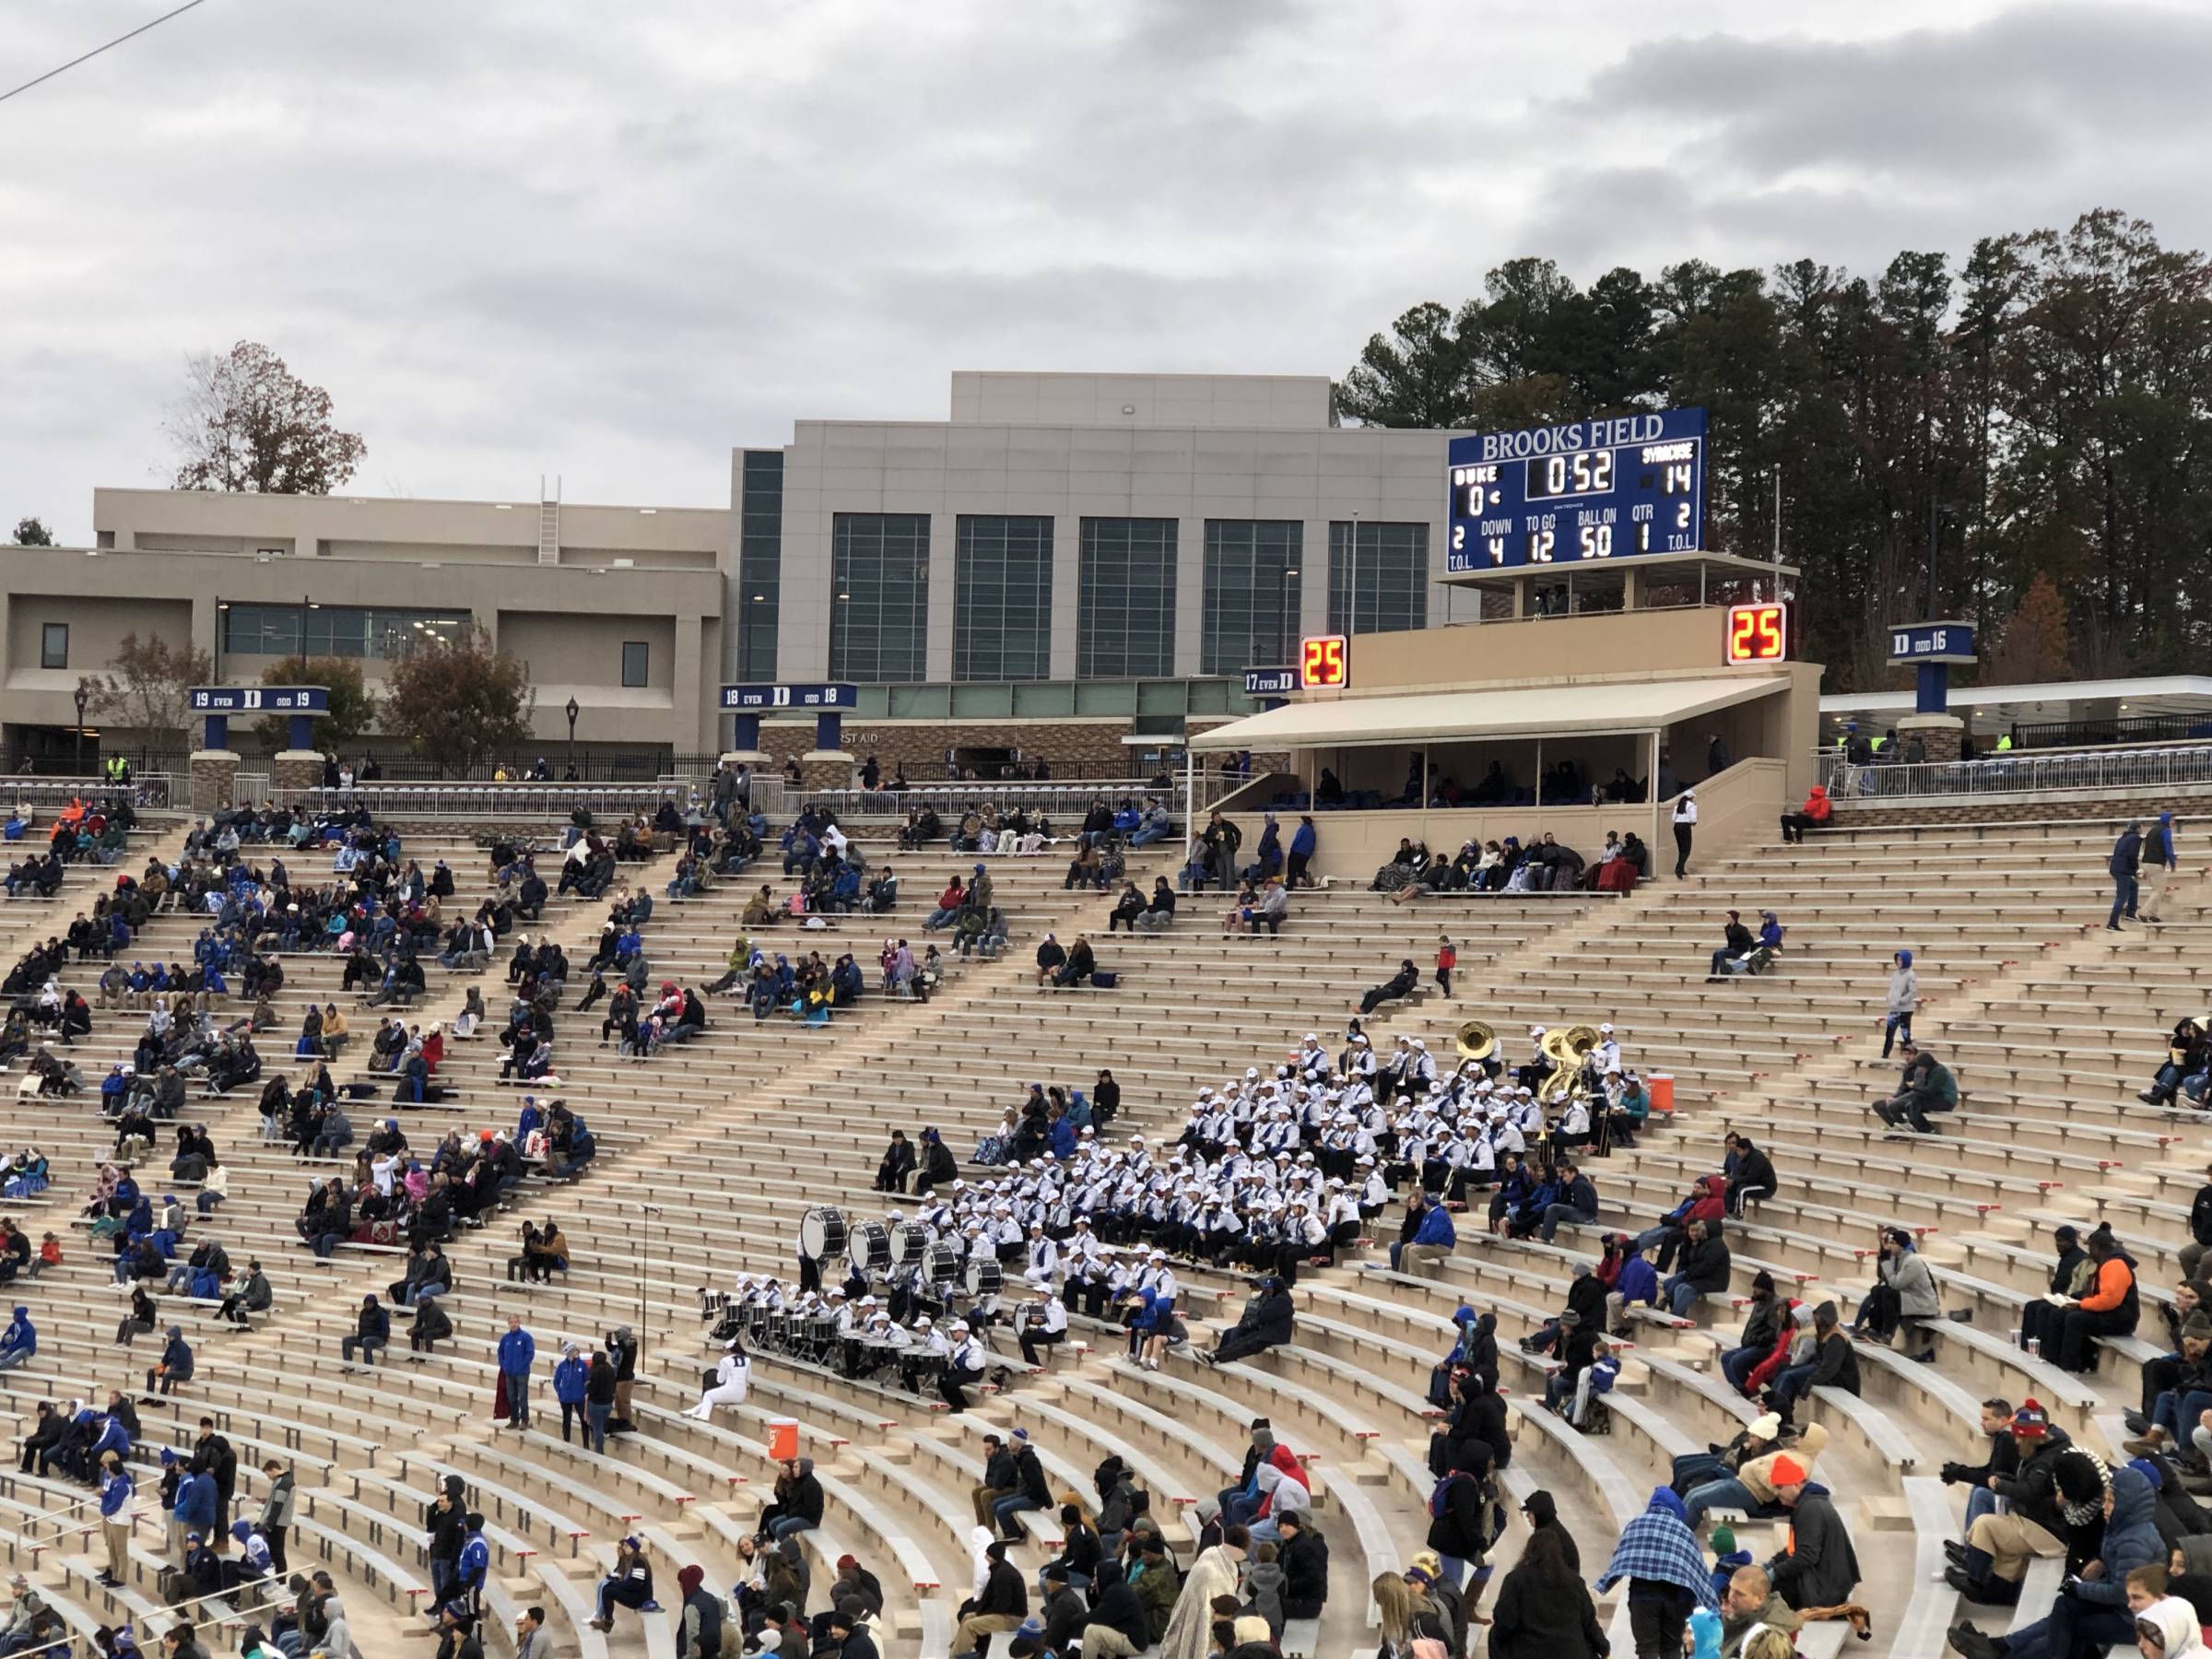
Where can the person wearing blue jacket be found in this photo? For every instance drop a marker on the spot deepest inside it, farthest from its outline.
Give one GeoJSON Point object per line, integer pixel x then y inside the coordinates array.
{"type": "Point", "coordinates": [2127, 853]}
{"type": "Point", "coordinates": [175, 1365]}
{"type": "Point", "coordinates": [2160, 861]}
{"type": "Point", "coordinates": [1303, 840]}
{"type": "Point", "coordinates": [19, 1342]}
{"type": "Point", "coordinates": [475, 1565]}
{"type": "Point", "coordinates": [1429, 1235]}
{"type": "Point", "coordinates": [116, 1494]}
{"type": "Point", "coordinates": [518, 1353]}
{"type": "Point", "coordinates": [570, 1378]}
{"type": "Point", "coordinates": [2087, 1614]}
{"type": "Point", "coordinates": [1636, 1285]}
{"type": "Point", "coordinates": [112, 1438]}
{"type": "Point", "coordinates": [194, 1510]}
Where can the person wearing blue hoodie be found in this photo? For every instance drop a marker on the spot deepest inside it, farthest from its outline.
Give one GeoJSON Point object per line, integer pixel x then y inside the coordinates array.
{"type": "Point", "coordinates": [2127, 853]}
{"type": "Point", "coordinates": [1904, 998]}
{"type": "Point", "coordinates": [116, 1494]}
{"type": "Point", "coordinates": [475, 1564]}
{"type": "Point", "coordinates": [1267, 858]}
{"type": "Point", "coordinates": [2158, 862]}
{"type": "Point", "coordinates": [19, 1342]}
{"type": "Point", "coordinates": [518, 1353]}
{"type": "Point", "coordinates": [1429, 1240]}
{"type": "Point", "coordinates": [1636, 1285]}
{"type": "Point", "coordinates": [175, 1365]}
{"type": "Point", "coordinates": [194, 1510]}
{"type": "Point", "coordinates": [2088, 1612]}
{"type": "Point", "coordinates": [1303, 840]}
{"type": "Point", "coordinates": [570, 1378]}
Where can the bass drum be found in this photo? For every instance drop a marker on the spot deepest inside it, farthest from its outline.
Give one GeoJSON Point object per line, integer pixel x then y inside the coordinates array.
{"type": "Point", "coordinates": [870, 1251]}
{"type": "Point", "coordinates": [942, 1263]}
{"type": "Point", "coordinates": [822, 1233]}
{"type": "Point", "coordinates": [907, 1243]}
{"type": "Point", "coordinates": [983, 1277]}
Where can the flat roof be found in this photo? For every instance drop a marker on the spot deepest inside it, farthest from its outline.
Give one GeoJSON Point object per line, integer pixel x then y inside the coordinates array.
{"type": "Point", "coordinates": [2049, 702]}
{"type": "Point", "coordinates": [1553, 710]}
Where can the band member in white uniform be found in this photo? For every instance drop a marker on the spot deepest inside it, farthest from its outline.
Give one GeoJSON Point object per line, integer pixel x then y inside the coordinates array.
{"type": "Point", "coordinates": [732, 1380]}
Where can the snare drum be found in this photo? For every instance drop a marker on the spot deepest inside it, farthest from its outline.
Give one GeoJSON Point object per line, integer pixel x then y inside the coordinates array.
{"type": "Point", "coordinates": [907, 1243]}
{"type": "Point", "coordinates": [942, 1263]}
{"type": "Point", "coordinates": [822, 1233]}
{"type": "Point", "coordinates": [870, 1248]}
{"type": "Point", "coordinates": [983, 1277]}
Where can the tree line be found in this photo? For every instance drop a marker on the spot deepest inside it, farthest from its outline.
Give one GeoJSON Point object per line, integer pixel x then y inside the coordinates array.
{"type": "Point", "coordinates": [2039, 415]}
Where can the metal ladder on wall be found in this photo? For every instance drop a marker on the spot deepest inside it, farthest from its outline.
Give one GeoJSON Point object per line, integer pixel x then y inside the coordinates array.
{"type": "Point", "coordinates": [548, 522]}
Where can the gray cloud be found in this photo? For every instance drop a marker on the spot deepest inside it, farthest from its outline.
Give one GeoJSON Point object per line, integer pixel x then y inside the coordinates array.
{"type": "Point", "coordinates": [525, 236]}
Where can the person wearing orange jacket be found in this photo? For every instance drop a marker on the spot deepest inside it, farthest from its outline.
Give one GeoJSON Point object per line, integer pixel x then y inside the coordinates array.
{"type": "Point", "coordinates": [1814, 814]}
{"type": "Point", "coordinates": [2108, 1307]}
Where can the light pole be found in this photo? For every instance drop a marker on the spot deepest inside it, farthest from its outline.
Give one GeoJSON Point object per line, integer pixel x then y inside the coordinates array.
{"type": "Point", "coordinates": [82, 697]}
{"type": "Point", "coordinates": [572, 710]}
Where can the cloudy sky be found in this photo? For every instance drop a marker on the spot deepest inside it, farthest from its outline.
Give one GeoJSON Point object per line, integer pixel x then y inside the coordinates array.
{"type": "Point", "coordinates": [609, 242]}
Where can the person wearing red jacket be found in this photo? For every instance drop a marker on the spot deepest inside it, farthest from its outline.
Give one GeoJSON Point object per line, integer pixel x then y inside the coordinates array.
{"type": "Point", "coordinates": [1814, 814]}
{"type": "Point", "coordinates": [1707, 1202]}
{"type": "Point", "coordinates": [1765, 1371]}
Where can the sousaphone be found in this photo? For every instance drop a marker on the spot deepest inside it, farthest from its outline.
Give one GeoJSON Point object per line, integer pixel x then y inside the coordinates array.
{"type": "Point", "coordinates": [1566, 1050]}
{"type": "Point", "coordinates": [1476, 1040]}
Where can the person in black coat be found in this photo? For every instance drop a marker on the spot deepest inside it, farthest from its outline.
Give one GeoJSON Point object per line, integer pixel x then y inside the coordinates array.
{"type": "Point", "coordinates": [1114, 1605]}
{"type": "Point", "coordinates": [1544, 1611]}
{"type": "Point", "coordinates": [1266, 1323]}
{"type": "Point", "coordinates": [938, 1167]}
{"type": "Point", "coordinates": [1458, 1530]}
{"type": "Point", "coordinates": [897, 1164]}
{"type": "Point", "coordinates": [1303, 1555]}
{"type": "Point", "coordinates": [1399, 984]}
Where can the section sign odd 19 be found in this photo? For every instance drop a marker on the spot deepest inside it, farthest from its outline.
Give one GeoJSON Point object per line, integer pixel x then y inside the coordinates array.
{"type": "Point", "coordinates": [1624, 487]}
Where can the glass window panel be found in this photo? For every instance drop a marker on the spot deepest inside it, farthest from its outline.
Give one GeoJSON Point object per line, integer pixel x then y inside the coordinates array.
{"type": "Point", "coordinates": [983, 702]}
{"type": "Point", "coordinates": [1055, 697]}
{"type": "Point", "coordinates": [1002, 599]}
{"type": "Point", "coordinates": [1106, 697]}
{"type": "Point", "coordinates": [1126, 598]}
{"type": "Point", "coordinates": [760, 564]}
{"type": "Point", "coordinates": [1393, 576]}
{"type": "Point", "coordinates": [921, 703]}
{"type": "Point", "coordinates": [54, 645]}
{"type": "Point", "coordinates": [637, 655]}
{"type": "Point", "coordinates": [1253, 570]}
{"type": "Point", "coordinates": [347, 630]}
{"type": "Point", "coordinates": [880, 595]}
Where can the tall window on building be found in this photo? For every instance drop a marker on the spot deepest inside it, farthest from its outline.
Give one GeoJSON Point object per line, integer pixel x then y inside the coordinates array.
{"type": "Point", "coordinates": [1252, 591]}
{"type": "Point", "coordinates": [1002, 599]}
{"type": "Point", "coordinates": [879, 596]}
{"type": "Point", "coordinates": [54, 645]}
{"type": "Point", "coordinates": [637, 662]}
{"type": "Point", "coordinates": [760, 563]}
{"type": "Point", "coordinates": [1125, 599]}
{"type": "Point", "coordinates": [1382, 585]}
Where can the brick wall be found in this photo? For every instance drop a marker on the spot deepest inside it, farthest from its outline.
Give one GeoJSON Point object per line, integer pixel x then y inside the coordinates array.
{"type": "Point", "coordinates": [2186, 802]}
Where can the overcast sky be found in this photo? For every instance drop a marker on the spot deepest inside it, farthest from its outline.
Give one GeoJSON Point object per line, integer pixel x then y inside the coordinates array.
{"type": "Point", "coordinates": [516, 237]}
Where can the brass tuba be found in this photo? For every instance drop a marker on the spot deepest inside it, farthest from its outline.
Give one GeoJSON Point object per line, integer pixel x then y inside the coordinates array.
{"type": "Point", "coordinates": [1476, 1040]}
{"type": "Point", "coordinates": [1566, 1050]}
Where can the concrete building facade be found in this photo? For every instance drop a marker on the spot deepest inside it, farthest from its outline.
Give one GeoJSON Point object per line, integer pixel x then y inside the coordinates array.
{"type": "Point", "coordinates": [1071, 565]}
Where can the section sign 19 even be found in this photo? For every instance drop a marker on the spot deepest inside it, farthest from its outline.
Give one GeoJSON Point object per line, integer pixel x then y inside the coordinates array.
{"type": "Point", "coordinates": [1620, 488]}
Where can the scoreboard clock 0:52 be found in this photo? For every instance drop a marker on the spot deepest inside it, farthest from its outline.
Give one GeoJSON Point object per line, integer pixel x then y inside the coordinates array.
{"type": "Point", "coordinates": [1324, 663]}
{"type": "Point", "coordinates": [1626, 487]}
{"type": "Point", "coordinates": [1757, 633]}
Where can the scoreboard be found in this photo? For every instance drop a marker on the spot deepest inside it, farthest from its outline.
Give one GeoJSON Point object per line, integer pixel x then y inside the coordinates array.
{"type": "Point", "coordinates": [1622, 488]}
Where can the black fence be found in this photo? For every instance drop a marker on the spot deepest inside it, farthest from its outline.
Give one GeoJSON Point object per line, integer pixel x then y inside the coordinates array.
{"type": "Point", "coordinates": [2113, 729]}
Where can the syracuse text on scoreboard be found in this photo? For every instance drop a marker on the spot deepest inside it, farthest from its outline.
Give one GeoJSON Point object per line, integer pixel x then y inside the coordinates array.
{"type": "Point", "coordinates": [1621, 487]}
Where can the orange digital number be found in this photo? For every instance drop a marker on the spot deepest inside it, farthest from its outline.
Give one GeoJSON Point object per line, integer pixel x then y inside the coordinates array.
{"type": "Point", "coordinates": [1323, 660]}
{"type": "Point", "coordinates": [1758, 633]}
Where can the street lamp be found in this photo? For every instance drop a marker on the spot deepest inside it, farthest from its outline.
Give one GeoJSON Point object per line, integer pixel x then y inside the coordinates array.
{"type": "Point", "coordinates": [572, 710]}
{"type": "Point", "coordinates": [82, 697]}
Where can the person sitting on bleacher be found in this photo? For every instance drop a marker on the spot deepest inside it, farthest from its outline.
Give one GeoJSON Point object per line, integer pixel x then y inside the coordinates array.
{"type": "Point", "coordinates": [2110, 1308]}
{"type": "Point", "coordinates": [1904, 1290]}
{"type": "Point", "coordinates": [2089, 1611]}
{"type": "Point", "coordinates": [1928, 1087]}
{"type": "Point", "coordinates": [2188, 1058]}
{"type": "Point", "coordinates": [1754, 1487]}
{"type": "Point", "coordinates": [1831, 1363]}
{"type": "Point", "coordinates": [1736, 950]}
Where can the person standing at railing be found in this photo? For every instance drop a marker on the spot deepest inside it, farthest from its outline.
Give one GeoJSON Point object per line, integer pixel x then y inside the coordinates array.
{"type": "Point", "coordinates": [2127, 855]}
{"type": "Point", "coordinates": [1686, 824]}
{"type": "Point", "coordinates": [2159, 863]}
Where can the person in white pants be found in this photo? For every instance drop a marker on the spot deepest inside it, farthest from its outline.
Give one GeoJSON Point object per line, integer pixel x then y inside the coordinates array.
{"type": "Point", "coordinates": [733, 1379]}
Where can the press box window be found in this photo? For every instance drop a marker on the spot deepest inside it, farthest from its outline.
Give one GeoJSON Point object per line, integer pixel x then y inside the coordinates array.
{"type": "Point", "coordinates": [635, 655]}
{"type": "Point", "coordinates": [54, 645]}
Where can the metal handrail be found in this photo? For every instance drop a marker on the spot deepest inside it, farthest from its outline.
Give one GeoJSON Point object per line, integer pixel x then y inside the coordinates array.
{"type": "Point", "coordinates": [2017, 773]}
{"type": "Point", "coordinates": [553, 802]}
{"type": "Point", "coordinates": [146, 789]}
{"type": "Point", "coordinates": [947, 800]}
